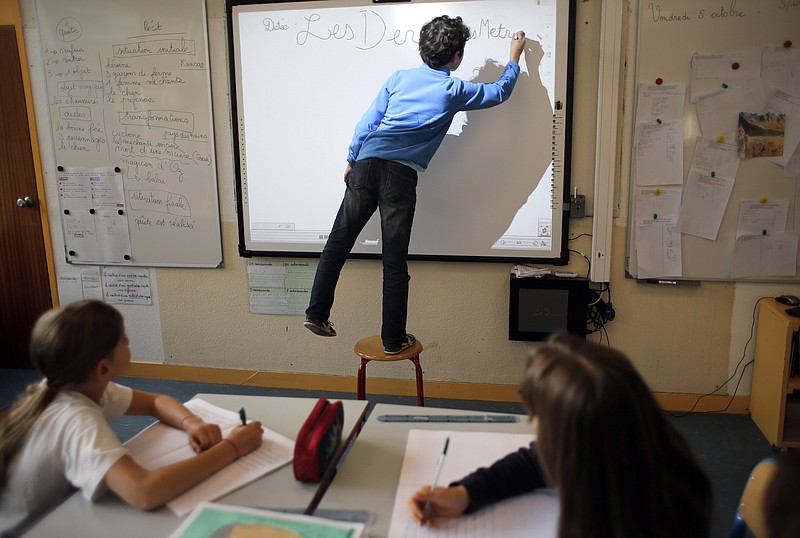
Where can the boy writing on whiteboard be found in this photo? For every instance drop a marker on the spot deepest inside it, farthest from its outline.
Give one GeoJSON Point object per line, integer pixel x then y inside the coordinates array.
{"type": "Point", "coordinates": [394, 141]}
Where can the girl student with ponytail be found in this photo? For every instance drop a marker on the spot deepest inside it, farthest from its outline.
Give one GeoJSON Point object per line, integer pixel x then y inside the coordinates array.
{"type": "Point", "coordinates": [57, 435]}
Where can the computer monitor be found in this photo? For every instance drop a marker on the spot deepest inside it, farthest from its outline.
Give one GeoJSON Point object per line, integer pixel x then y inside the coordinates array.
{"type": "Point", "coordinates": [539, 307]}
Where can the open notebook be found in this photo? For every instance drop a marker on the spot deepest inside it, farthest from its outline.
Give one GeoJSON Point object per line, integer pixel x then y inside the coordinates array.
{"type": "Point", "coordinates": [160, 445]}
{"type": "Point", "coordinates": [534, 514]}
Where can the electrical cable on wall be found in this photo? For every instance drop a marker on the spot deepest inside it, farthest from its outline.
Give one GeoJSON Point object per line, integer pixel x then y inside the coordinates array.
{"type": "Point", "coordinates": [599, 313]}
{"type": "Point", "coordinates": [691, 411]}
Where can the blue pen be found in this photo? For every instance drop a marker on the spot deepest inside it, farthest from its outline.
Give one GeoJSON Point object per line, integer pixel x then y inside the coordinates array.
{"type": "Point", "coordinates": [426, 513]}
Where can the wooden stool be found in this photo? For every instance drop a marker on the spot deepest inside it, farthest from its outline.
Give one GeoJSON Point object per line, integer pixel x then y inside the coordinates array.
{"type": "Point", "coordinates": [371, 349]}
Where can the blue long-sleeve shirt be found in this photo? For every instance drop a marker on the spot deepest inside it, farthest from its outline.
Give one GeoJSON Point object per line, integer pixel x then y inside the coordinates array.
{"type": "Point", "coordinates": [412, 112]}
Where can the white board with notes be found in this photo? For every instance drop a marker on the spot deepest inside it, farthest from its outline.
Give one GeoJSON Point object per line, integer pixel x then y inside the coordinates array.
{"type": "Point", "coordinates": [128, 89]}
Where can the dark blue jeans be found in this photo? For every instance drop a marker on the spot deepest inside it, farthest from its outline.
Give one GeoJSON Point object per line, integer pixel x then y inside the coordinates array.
{"type": "Point", "coordinates": [392, 188]}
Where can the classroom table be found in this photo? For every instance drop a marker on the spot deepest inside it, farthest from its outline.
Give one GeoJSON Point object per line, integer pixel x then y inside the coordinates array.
{"type": "Point", "coordinates": [367, 479]}
{"type": "Point", "coordinates": [111, 517]}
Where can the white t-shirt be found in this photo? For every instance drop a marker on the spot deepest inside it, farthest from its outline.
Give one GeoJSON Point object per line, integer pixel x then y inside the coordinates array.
{"type": "Point", "coordinates": [70, 444]}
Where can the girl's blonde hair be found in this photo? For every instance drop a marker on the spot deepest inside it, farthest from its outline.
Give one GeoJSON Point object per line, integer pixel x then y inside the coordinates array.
{"type": "Point", "coordinates": [621, 469]}
{"type": "Point", "coordinates": [66, 344]}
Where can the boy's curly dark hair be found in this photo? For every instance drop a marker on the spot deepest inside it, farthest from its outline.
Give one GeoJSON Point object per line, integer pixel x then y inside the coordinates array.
{"type": "Point", "coordinates": [441, 38]}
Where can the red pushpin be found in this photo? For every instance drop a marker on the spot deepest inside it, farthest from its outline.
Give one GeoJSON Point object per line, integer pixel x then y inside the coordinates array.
{"type": "Point", "coordinates": [787, 44]}
{"type": "Point", "coordinates": [659, 81]}
{"type": "Point", "coordinates": [735, 65]}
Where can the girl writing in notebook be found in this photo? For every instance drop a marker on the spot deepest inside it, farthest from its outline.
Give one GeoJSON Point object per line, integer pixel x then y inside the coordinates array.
{"type": "Point", "coordinates": [620, 469]}
{"type": "Point", "coordinates": [57, 436]}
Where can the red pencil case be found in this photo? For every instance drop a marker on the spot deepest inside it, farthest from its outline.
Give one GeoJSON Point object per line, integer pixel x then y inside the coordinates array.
{"type": "Point", "coordinates": [318, 440]}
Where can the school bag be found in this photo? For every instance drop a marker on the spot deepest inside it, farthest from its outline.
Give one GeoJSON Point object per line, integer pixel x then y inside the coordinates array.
{"type": "Point", "coordinates": [318, 440]}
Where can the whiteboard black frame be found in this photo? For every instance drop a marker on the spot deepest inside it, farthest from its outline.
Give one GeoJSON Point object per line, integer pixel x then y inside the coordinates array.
{"type": "Point", "coordinates": [562, 257]}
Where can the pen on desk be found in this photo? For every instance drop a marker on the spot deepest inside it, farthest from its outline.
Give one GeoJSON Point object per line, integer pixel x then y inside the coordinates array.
{"type": "Point", "coordinates": [426, 513]}
{"type": "Point", "coordinates": [243, 416]}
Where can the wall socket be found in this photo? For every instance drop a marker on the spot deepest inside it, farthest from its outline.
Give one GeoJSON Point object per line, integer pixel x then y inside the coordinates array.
{"type": "Point", "coordinates": [577, 206]}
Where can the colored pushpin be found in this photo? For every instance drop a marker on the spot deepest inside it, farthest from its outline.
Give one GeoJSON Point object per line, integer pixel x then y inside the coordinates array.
{"type": "Point", "coordinates": [724, 85]}
{"type": "Point", "coordinates": [659, 81]}
{"type": "Point", "coordinates": [657, 192]}
{"type": "Point", "coordinates": [763, 199]}
{"type": "Point", "coordinates": [558, 105]}
{"type": "Point", "coordinates": [720, 139]}
{"type": "Point", "coordinates": [735, 65]}
{"type": "Point", "coordinates": [713, 174]}
{"type": "Point", "coordinates": [655, 216]}
{"type": "Point", "coordinates": [787, 44]}
{"type": "Point", "coordinates": [658, 121]}
{"type": "Point", "coordinates": [763, 232]}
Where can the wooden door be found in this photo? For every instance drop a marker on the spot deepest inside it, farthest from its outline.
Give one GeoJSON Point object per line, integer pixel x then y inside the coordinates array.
{"type": "Point", "coordinates": [24, 283]}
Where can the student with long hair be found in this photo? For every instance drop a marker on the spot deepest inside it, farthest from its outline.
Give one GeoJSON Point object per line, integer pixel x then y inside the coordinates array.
{"type": "Point", "coordinates": [57, 435]}
{"type": "Point", "coordinates": [620, 469]}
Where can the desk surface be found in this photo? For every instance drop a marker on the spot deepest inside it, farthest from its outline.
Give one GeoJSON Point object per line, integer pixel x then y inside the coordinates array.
{"type": "Point", "coordinates": [77, 517]}
{"type": "Point", "coordinates": [367, 480]}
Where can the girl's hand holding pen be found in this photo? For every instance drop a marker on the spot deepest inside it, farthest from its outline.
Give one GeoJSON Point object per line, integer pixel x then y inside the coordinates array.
{"type": "Point", "coordinates": [444, 502]}
{"type": "Point", "coordinates": [246, 438]}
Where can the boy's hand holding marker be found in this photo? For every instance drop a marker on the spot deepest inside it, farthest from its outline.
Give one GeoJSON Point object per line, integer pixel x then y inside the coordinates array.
{"type": "Point", "coordinates": [517, 45]}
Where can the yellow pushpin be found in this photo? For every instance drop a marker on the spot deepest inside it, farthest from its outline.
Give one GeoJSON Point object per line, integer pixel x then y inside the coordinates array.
{"type": "Point", "coordinates": [763, 200]}
{"type": "Point", "coordinates": [720, 139]}
{"type": "Point", "coordinates": [657, 192]}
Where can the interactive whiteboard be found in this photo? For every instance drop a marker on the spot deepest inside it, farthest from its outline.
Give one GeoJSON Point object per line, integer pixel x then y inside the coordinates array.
{"type": "Point", "coordinates": [305, 72]}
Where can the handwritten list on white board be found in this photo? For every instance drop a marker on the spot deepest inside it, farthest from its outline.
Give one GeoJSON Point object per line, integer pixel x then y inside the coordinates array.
{"type": "Point", "coordinates": [128, 88]}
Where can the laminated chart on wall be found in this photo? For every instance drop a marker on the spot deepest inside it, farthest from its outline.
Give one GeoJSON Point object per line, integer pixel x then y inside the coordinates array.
{"type": "Point", "coordinates": [93, 215]}
{"type": "Point", "coordinates": [280, 287]}
{"type": "Point", "coordinates": [128, 88]}
{"type": "Point", "coordinates": [127, 285]}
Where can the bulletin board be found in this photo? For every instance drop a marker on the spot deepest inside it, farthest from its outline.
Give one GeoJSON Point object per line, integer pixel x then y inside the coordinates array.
{"type": "Point", "coordinates": [129, 98]}
{"type": "Point", "coordinates": [673, 37]}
